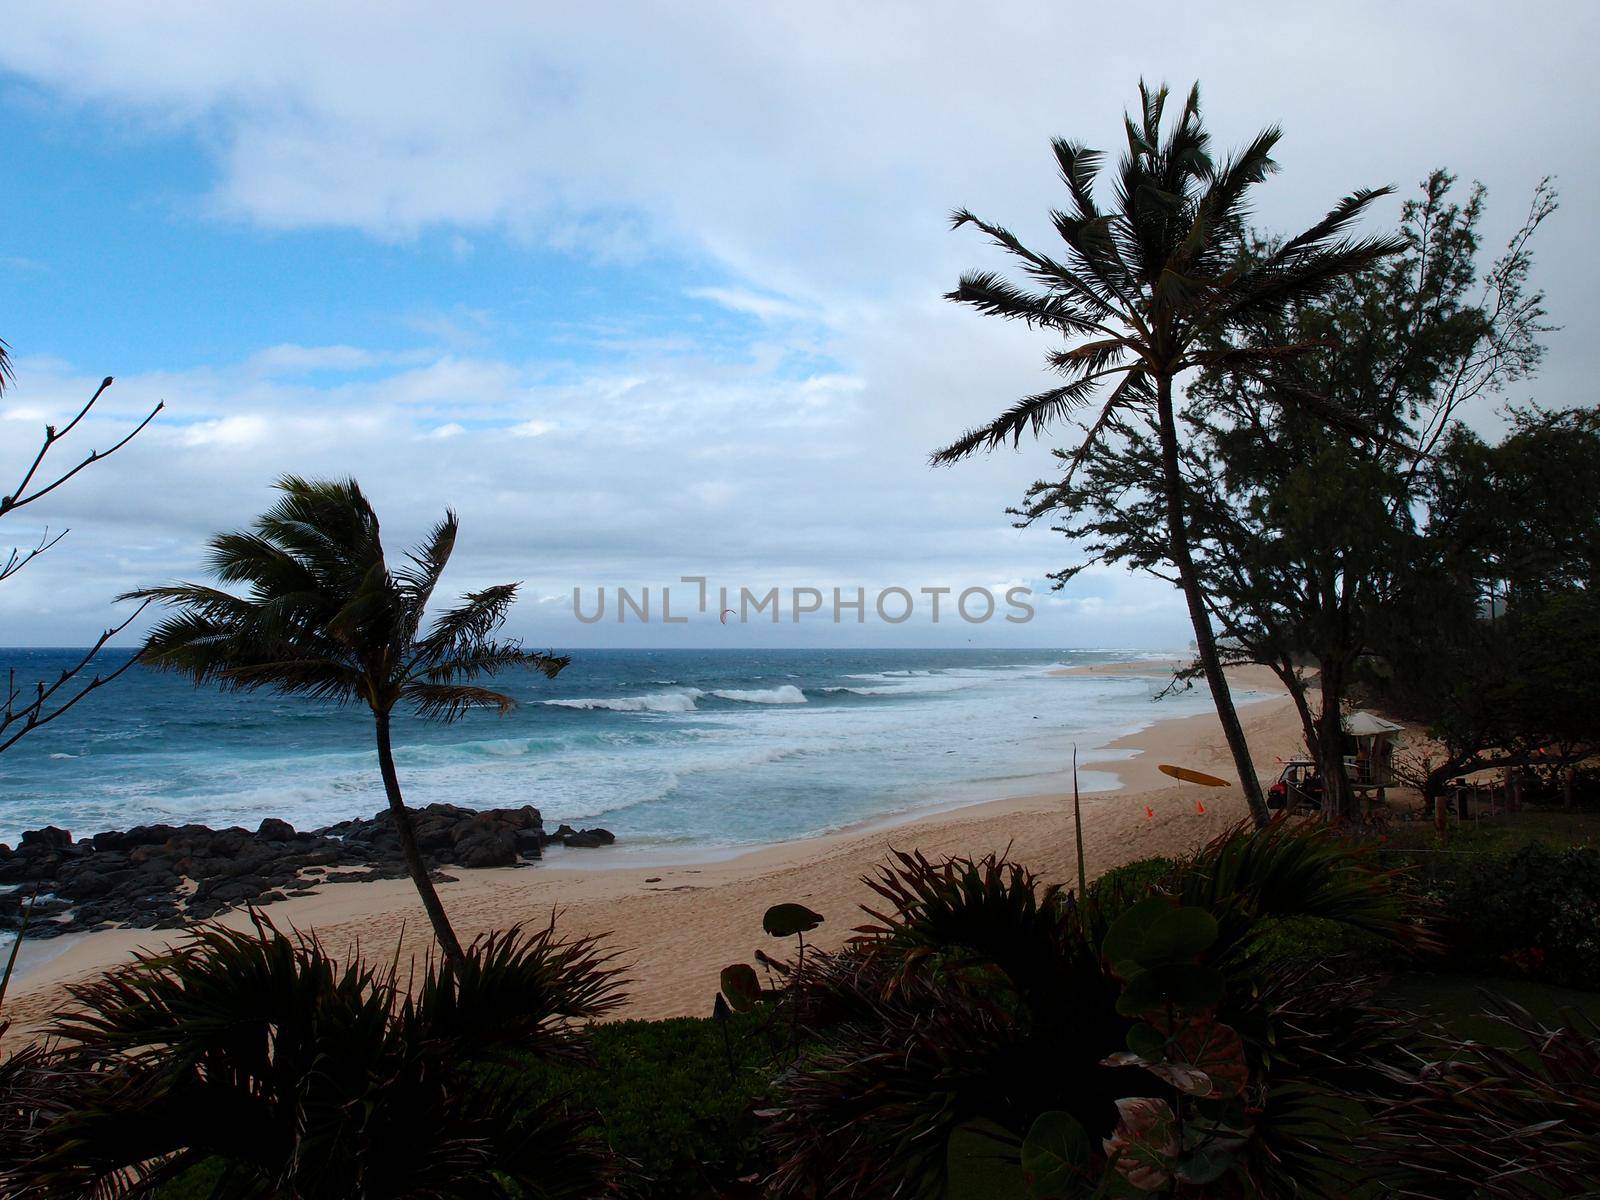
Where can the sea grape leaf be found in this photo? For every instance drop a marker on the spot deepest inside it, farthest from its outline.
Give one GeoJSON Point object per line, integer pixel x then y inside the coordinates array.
{"type": "Point", "coordinates": [1145, 1142]}
{"type": "Point", "coordinates": [1124, 941]}
{"type": "Point", "coordinates": [1055, 1154]}
{"type": "Point", "coordinates": [1178, 935]}
{"type": "Point", "coordinates": [1218, 1051]}
{"type": "Point", "coordinates": [787, 920]}
{"type": "Point", "coordinates": [742, 986]}
{"type": "Point", "coordinates": [1185, 1078]}
{"type": "Point", "coordinates": [1179, 985]}
{"type": "Point", "coordinates": [1147, 1041]}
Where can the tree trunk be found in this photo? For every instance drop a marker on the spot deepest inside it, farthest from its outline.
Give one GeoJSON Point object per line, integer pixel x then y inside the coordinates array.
{"type": "Point", "coordinates": [1338, 798]}
{"type": "Point", "coordinates": [443, 934]}
{"type": "Point", "coordinates": [1205, 642]}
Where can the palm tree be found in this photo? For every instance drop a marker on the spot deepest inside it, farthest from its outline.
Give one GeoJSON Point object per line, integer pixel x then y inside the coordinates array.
{"type": "Point", "coordinates": [258, 1064]}
{"type": "Point", "coordinates": [325, 616]}
{"type": "Point", "coordinates": [1161, 283]}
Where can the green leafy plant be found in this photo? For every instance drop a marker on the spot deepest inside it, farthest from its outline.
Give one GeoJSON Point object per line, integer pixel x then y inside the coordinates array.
{"type": "Point", "coordinates": [1519, 1121]}
{"type": "Point", "coordinates": [978, 1000]}
{"type": "Point", "coordinates": [306, 1077]}
{"type": "Point", "coordinates": [1190, 1135]}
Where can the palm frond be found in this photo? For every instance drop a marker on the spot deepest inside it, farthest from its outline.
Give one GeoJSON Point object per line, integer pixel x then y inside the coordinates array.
{"type": "Point", "coordinates": [1031, 414]}
{"type": "Point", "coordinates": [449, 702]}
{"type": "Point", "coordinates": [489, 657]}
{"type": "Point", "coordinates": [995, 296]}
{"type": "Point", "coordinates": [418, 581]}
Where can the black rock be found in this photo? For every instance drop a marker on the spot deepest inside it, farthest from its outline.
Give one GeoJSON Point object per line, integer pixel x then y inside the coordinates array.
{"type": "Point", "coordinates": [51, 837]}
{"type": "Point", "coordinates": [588, 838]}
{"type": "Point", "coordinates": [274, 830]}
{"type": "Point", "coordinates": [488, 848]}
{"type": "Point", "coordinates": [164, 875]}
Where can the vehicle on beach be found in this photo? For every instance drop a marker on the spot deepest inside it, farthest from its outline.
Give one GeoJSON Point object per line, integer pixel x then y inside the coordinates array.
{"type": "Point", "coordinates": [1299, 785]}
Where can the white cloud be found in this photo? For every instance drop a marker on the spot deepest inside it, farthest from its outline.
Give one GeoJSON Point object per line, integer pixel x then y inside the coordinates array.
{"type": "Point", "coordinates": [767, 308]}
{"type": "Point", "coordinates": [619, 485]}
{"type": "Point", "coordinates": [803, 158]}
{"type": "Point", "coordinates": [288, 359]}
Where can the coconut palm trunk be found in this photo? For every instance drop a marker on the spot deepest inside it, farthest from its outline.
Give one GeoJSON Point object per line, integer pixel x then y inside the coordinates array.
{"type": "Point", "coordinates": [437, 917]}
{"type": "Point", "coordinates": [1204, 639]}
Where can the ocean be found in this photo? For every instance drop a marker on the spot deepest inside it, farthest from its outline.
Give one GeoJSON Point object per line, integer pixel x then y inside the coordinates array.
{"type": "Point", "coordinates": [689, 753]}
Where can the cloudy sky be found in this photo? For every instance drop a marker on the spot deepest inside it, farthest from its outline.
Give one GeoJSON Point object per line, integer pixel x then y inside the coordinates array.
{"type": "Point", "coordinates": [646, 290]}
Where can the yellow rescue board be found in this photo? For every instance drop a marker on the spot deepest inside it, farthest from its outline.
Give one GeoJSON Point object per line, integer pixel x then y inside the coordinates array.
{"type": "Point", "coordinates": [1188, 776]}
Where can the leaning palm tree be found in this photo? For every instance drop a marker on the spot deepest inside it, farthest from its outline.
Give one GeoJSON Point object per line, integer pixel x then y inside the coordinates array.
{"type": "Point", "coordinates": [1163, 282]}
{"type": "Point", "coordinates": [325, 616]}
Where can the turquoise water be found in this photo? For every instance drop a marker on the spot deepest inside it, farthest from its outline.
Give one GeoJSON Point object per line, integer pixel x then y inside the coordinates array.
{"type": "Point", "coordinates": [669, 749]}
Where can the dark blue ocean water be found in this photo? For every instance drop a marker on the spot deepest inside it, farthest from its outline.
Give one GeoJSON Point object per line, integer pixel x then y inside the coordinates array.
{"type": "Point", "coordinates": [718, 748]}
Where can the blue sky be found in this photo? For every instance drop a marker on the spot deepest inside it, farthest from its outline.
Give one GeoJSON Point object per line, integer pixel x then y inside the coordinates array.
{"type": "Point", "coordinates": [649, 292]}
{"type": "Point", "coordinates": [111, 254]}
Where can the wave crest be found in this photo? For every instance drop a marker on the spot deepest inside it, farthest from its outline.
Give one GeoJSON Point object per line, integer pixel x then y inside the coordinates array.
{"type": "Point", "coordinates": [655, 702]}
{"type": "Point", "coordinates": [787, 694]}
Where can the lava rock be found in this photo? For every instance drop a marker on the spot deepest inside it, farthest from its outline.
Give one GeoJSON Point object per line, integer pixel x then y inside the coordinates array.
{"type": "Point", "coordinates": [161, 876]}
{"type": "Point", "coordinates": [51, 837]}
{"type": "Point", "coordinates": [588, 838]}
{"type": "Point", "coordinates": [274, 830]}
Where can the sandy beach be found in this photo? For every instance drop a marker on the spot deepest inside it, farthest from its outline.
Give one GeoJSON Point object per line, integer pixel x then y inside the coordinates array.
{"type": "Point", "coordinates": [676, 926]}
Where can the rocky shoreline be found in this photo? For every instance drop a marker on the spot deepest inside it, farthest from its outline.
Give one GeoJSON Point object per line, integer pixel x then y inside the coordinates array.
{"type": "Point", "coordinates": [165, 876]}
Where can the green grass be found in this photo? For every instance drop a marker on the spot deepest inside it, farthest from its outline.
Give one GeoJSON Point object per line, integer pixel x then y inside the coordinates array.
{"type": "Point", "coordinates": [668, 1103]}
{"type": "Point", "coordinates": [1504, 832]}
{"type": "Point", "coordinates": [1459, 1002]}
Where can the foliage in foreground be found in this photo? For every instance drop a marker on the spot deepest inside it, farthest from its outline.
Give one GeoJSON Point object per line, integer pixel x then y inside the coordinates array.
{"type": "Point", "coordinates": [675, 1100]}
{"type": "Point", "coordinates": [1520, 1122]}
{"type": "Point", "coordinates": [1533, 912]}
{"type": "Point", "coordinates": [297, 1075]}
{"type": "Point", "coordinates": [1128, 1040]}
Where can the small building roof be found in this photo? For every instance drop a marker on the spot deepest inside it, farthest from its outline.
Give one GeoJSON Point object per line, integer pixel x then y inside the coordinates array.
{"type": "Point", "coordinates": [1368, 724]}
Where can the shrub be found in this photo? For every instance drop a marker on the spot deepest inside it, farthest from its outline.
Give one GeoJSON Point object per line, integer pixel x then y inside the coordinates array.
{"type": "Point", "coordinates": [285, 1072]}
{"type": "Point", "coordinates": [661, 1094]}
{"type": "Point", "coordinates": [1534, 912]}
{"type": "Point", "coordinates": [1134, 878]}
{"type": "Point", "coordinates": [982, 997]}
{"type": "Point", "coordinates": [1284, 943]}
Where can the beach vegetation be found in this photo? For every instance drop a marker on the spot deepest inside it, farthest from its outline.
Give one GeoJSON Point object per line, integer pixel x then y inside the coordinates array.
{"type": "Point", "coordinates": [1513, 1116]}
{"type": "Point", "coordinates": [325, 615]}
{"type": "Point", "coordinates": [1164, 282]}
{"type": "Point", "coordinates": [287, 1071]}
{"type": "Point", "coordinates": [1135, 1035]}
{"type": "Point", "coordinates": [663, 1097]}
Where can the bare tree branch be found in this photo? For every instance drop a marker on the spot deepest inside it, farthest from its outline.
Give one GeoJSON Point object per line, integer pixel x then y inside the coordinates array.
{"type": "Point", "coordinates": [52, 700]}
{"type": "Point", "coordinates": [44, 707]}
{"type": "Point", "coordinates": [20, 495]}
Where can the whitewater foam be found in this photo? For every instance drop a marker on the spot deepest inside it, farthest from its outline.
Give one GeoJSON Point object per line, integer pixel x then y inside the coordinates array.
{"type": "Point", "coordinates": [655, 702]}
{"type": "Point", "coordinates": [787, 694]}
